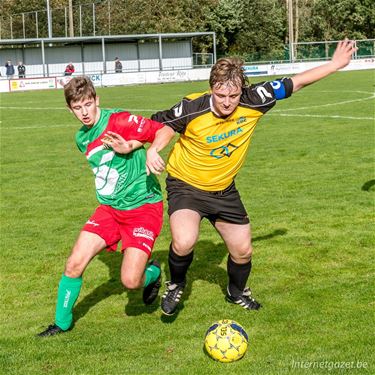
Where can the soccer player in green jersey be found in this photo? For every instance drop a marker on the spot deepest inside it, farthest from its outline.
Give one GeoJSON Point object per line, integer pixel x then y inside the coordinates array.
{"type": "Point", "coordinates": [130, 200]}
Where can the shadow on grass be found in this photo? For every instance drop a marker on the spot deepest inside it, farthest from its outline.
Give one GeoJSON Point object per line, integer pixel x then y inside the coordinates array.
{"type": "Point", "coordinates": [206, 266]}
{"type": "Point", "coordinates": [112, 287]}
{"type": "Point", "coordinates": [367, 186]}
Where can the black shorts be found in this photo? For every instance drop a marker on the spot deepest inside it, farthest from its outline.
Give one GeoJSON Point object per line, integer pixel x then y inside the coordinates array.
{"type": "Point", "coordinates": [225, 205]}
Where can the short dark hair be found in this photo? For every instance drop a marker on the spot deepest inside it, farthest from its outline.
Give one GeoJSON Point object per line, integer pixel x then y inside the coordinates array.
{"type": "Point", "coordinates": [228, 70]}
{"type": "Point", "coordinates": [79, 88]}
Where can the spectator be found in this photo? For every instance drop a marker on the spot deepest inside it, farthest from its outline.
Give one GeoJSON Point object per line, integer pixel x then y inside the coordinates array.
{"type": "Point", "coordinates": [21, 70]}
{"type": "Point", "coordinates": [118, 65]}
{"type": "Point", "coordinates": [69, 70]}
{"type": "Point", "coordinates": [9, 69]}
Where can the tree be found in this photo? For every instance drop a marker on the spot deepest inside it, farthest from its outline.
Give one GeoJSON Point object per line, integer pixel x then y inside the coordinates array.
{"type": "Point", "coordinates": [253, 29]}
{"type": "Point", "coordinates": [226, 20]}
{"type": "Point", "coordinates": [263, 31]}
{"type": "Point", "coordinates": [337, 19]}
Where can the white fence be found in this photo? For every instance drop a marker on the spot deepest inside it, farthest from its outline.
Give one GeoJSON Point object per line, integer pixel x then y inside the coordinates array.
{"type": "Point", "coordinates": [119, 79]}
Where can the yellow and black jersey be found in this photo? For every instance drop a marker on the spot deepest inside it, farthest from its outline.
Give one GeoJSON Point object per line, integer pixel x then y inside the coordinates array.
{"type": "Point", "coordinates": [211, 149]}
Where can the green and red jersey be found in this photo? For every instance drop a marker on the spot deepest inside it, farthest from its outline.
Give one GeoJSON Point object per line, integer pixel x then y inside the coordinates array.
{"type": "Point", "coordinates": [121, 180]}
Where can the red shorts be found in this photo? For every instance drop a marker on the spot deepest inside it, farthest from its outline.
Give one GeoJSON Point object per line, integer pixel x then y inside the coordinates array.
{"type": "Point", "coordinates": [137, 228]}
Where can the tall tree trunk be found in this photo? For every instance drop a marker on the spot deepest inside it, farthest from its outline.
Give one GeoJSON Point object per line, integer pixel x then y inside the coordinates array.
{"type": "Point", "coordinates": [71, 26]}
{"type": "Point", "coordinates": [296, 27]}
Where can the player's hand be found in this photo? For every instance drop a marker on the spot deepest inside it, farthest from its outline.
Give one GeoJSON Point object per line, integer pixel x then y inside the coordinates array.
{"type": "Point", "coordinates": [154, 163]}
{"type": "Point", "coordinates": [117, 143]}
{"type": "Point", "coordinates": [343, 53]}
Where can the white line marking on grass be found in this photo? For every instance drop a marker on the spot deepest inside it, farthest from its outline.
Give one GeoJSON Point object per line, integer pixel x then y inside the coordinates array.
{"type": "Point", "coordinates": [65, 109]}
{"type": "Point", "coordinates": [273, 113]}
{"type": "Point", "coordinates": [321, 116]}
{"type": "Point", "coordinates": [41, 127]}
{"type": "Point", "coordinates": [326, 105]}
{"type": "Point", "coordinates": [350, 91]}
{"type": "Point", "coordinates": [156, 110]}
{"type": "Point", "coordinates": [269, 114]}
{"type": "Point", "coordinates": [32, 108]}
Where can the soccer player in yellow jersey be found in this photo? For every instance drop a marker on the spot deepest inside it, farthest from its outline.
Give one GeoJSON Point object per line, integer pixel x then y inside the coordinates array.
{"type": "Point", "coordinates": [215, 132]}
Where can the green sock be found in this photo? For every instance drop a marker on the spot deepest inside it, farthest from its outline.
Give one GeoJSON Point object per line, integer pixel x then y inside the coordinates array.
{"type": "Point", "coordinates": [151, 274]}
{"type": "Point", "coordinates": [67, 295]}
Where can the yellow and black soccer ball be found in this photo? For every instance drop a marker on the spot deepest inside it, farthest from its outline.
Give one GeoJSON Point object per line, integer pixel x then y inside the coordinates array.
{"type": "Point", "coordinates": [226, 341]}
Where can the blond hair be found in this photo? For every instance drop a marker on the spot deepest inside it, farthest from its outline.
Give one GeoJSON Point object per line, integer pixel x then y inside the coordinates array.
{"type": "Point", "coordinates": [228, 70]}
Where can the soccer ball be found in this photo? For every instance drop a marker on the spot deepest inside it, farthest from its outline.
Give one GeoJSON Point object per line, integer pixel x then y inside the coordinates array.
{"type": "Point", "coordinates": [226, 341]}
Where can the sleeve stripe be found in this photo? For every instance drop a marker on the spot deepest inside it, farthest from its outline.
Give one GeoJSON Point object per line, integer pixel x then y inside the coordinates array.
{"type": "Point", "coordinates": [257, 105]}
{"type": "Point", "coordinates": [187, 115]}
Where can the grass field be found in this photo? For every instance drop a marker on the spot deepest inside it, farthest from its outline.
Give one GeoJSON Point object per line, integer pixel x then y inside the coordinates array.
{"type": "Point", "coordinates": [308, 185]}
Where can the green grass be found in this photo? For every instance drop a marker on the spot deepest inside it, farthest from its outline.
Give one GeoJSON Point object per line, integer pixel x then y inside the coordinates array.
{"type": "Point", "coordinates": [308, 185]}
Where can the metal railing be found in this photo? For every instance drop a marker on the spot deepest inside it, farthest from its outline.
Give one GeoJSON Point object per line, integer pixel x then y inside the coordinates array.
{"type": "Point", "coordinates": [314, 51]}
{"type": "Point", "coordinates": [89, 19]}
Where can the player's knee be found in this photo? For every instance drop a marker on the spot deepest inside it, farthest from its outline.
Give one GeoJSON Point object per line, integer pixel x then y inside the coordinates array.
{"type": "Point", "coordinates": [243, 254]}
{"type": "Point", "coordinates": [74, 267]}
{"type": "Point", "coordinates": [131, 281]}
{"type": "Point", "coordinates": [182, 246]}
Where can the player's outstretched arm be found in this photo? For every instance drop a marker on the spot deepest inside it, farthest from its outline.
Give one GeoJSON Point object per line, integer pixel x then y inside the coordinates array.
{"type": "Point", "coordinates": [154, 162]}
{"type": "Point", "coordinates": [119, 144]}
{"type": "Point", "coordinates": [340, 59]}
